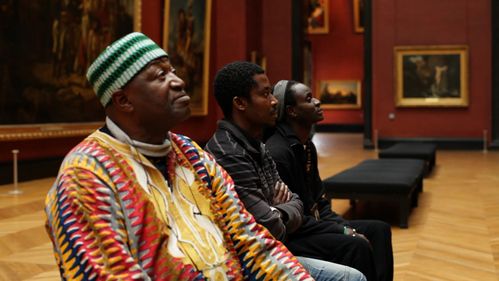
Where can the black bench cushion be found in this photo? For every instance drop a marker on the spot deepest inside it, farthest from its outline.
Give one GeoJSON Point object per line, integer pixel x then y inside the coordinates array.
{"type": "Point", "coordinates": [409, 150]}
{"type": "Point", "coordinates": [378, 176]}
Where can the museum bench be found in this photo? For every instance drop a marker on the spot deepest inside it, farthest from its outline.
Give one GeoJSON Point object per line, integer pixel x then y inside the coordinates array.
{"type": "Point", "coordinates": [424, 151]}
{"type": "Point", "coordinates": [397, 180]}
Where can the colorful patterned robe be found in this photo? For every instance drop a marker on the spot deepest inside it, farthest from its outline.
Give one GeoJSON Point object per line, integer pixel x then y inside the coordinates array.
{"type": "Point", "coordinates": [107, 223]}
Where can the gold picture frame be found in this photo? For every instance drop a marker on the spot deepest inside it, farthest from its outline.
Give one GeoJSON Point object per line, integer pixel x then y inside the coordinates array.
{"type": "Point", "coordinates": [186, 37]}
{"type": "Point", "coordinates": [318, 16]}
{"type": "Point", "coordinates": [44, 92]}
{"type": "Point", "coordinates": [339, 94]}
{"type": "Point", "coordinates": [259, 59]}
{"type": "Point", "coordinates": [358, 15]}
{"type": "Point", "coordinates": [431, 76]}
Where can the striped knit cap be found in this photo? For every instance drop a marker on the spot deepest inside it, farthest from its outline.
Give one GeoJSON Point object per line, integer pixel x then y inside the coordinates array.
{"type": "Point", "coordinates": [120, 62]}
{"type": "Point", "coordinates": [280, 95]}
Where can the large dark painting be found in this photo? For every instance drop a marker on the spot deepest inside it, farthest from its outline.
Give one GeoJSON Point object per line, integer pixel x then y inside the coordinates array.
{"type": "Point", "coordinates": [431, 75]}
{"type": "Point", "coordinates": [46, 47]}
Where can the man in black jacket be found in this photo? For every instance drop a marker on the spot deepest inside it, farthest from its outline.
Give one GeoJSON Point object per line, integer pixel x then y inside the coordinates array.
{"type": "Point", "coordinates": [296, 159]}
{"type": "Point", "coordinates": [244, 94]}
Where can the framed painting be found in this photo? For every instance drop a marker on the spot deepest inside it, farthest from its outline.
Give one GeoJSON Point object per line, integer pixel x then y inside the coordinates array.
{"type": "Point", "coordinates": [318, 16]}
{"type": "Point", "coordinates": [307, 63]}
{"type": "Point", "coordinates": [45, 50]}
{"type": "Point", "coordinates": [186, 37]}
{"type": "Point", "coordinates": [358, 15]}
{"type": "Point", "coordinates": [339, 94]}
{"type": "Point", "coordinates": [431, 76]}
{"type": "Point", "coordinates": [259, 59]}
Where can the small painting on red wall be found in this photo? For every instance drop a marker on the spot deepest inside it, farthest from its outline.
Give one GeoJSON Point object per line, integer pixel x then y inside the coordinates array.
{"type": "Point", "coordinates": [318, 16]}
{"type": "Point", "coordinates": [339, 94]}
{"type": "Point", "coordinates": [186, 37]}
{"type": "Point", "coordinates": [358, 15]}
{"type": "Point", "coordinates": [428, 76]}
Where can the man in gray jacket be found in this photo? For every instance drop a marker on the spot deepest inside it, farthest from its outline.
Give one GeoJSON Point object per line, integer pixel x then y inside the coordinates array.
{"type": "Point", "coordinates": [244, 94]}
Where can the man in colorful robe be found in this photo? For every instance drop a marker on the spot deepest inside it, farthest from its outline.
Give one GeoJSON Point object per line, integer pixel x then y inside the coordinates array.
{"type": "Point", "coordinates": [134, 201]}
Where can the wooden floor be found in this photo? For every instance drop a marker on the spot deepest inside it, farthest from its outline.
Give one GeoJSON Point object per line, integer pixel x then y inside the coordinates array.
{"type": "Point", "coordinates": [453, 234]}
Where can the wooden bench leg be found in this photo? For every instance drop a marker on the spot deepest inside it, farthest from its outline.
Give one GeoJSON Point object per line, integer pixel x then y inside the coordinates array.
{"type": "Point", "coordinates": [420, 185]}
{"type": "Point", "coordinates": [414, 199]}
{"type": "Point", "coordinates": [431, 164]}
{"type": "Point", "coordinates": [405, 207]}
{"type": "Point", "coordinates": [353, 203]}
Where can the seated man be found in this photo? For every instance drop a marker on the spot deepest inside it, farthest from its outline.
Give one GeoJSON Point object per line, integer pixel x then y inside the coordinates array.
{"type": "Point", "coordinates": [244, 94]}
{"type": "Point", "coordinates": [136, 201]}
{"type": "Point", "coordinates": [296, 159]}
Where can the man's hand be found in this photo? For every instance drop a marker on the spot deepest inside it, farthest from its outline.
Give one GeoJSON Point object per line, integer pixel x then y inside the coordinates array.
{"type": "Point", "coordinates": [281, 193]}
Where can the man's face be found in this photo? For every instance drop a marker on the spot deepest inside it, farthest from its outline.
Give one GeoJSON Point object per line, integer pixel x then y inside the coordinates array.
{"type": "Point", "coordinates": [158, 97]}
{"type": "Point", "coordinates": [307, 108]}
{"type": "Point", "coordinates": [261, 109]}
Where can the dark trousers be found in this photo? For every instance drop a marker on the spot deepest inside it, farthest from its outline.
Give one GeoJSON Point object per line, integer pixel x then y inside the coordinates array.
{"type": "Point", "coordinates": [367, 257]}
{"type": "Point", "coordinates": [380, 237]}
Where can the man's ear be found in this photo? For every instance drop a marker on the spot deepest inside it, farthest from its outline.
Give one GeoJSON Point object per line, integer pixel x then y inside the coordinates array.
{"type": "Point", "coordinates": [290, 111]}
{"type": "Point", "coordinates": [239, 103]}
{"type": "Point", "coordinates": [121, 102]}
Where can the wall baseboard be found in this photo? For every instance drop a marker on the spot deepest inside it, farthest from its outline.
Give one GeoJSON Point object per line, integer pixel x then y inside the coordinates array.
{"type": "Point", "coordinates": [442, 143]}
{"type": "Point", "coordinates": [30, 170]}
{"type": "Point", "coordinates": [494, 145]}
{"type": "Point", "coordinates": [339, 128]}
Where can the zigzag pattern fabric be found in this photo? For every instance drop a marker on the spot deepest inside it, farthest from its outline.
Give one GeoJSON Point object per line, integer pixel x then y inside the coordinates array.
{"type": "Point", "coordinates": [104, 226]}
{"type": "Point", "coordinates": [119, 63]}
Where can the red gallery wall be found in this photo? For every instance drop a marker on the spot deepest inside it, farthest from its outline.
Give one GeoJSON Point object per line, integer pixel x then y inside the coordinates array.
{"type": "Point", "coordinates": [237, 28]}
{"type": "Point", "coordinates": [338, 55]}
{"type": "Point", "coordinates": [429, 22]}
{"type": "Point", "coordinates": [276, 38]}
